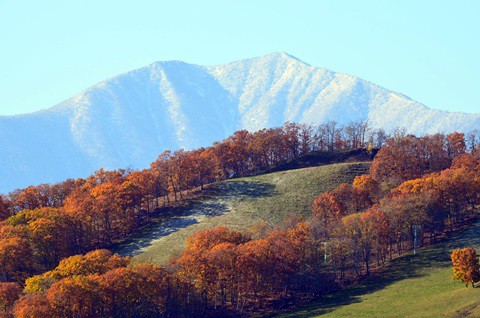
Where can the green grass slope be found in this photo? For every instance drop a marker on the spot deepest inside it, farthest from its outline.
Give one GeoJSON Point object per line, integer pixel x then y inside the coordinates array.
{"type": "Point", "coordinates": [239, 203]}
{"type": "Point", "coordinates": [411, 286]}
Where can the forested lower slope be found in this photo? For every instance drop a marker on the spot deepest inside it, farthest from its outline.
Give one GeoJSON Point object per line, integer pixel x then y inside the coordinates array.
{"type": "Point", "coordinates": [248, 249]}
{"type": "Point", "coordinates": [240, 204]}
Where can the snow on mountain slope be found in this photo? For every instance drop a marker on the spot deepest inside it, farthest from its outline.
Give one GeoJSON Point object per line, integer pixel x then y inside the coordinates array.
{"type": "Point", "coordinates": [128, 120]}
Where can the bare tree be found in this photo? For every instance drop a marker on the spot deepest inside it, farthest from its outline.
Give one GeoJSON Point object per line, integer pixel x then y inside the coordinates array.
{"type": "Point", "coordinates": [399, 133]}
{"type": "Point", "coordinates": [333, 132]}
{"type": "Point", "coordinates": [306, 138]}
{"type": "Point", "coordinates": [473, 140]}
{"type": "Point", "coordinates": [378, 137]}
{"type": "Point", "coordinates": [321, 138]}
{"type": "Point", "coordinates": [363, 129]}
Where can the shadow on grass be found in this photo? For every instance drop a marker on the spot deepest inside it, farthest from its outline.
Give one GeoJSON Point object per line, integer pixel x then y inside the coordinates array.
{"type": "Point", "coordinates": [212, 202]}
{"type": "Point", "coordinates": [240, 188]}
{"type": "Point", "coordinates": [404, 267]}
{"type": "Point", "coordinates": [408, 266]}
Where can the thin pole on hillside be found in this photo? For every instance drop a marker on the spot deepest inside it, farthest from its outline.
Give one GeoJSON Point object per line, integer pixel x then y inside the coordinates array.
{"type": "Point", "coordinates": [415, 228]}
{"type": "Point", "coordinates": [325, 254]}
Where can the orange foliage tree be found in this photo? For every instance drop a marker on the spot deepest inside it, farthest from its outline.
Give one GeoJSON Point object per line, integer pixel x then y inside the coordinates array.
{"type": "Point", "coordinates": [9, 293]}
{"type": "Point", "coordinates": [95, 262]}
{"type": "Point", "coordinates": [328, 210]}
{"type": "Point", "coordinates": [33, 305]}
{"type": "Point", "coordinates": [406, 158]}
{"type": "Point", "coordinates": [465, 266]}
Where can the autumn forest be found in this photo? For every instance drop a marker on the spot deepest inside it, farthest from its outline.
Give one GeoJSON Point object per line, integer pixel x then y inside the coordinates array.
{"type": "Point", "coordinates": [55, 239]}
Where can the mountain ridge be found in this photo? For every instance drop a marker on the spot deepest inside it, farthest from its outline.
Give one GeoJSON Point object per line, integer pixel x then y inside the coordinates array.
{"type": "Point", "coordinates": [128, 119]}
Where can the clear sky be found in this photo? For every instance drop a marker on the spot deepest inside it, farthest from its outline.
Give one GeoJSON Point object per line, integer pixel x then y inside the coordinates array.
{"type": "Point", "coordinates": [427, 50]}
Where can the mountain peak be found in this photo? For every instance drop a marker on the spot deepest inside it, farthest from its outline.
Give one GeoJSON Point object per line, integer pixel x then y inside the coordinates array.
{"type": "Point", "coordinates": [160, 64]}
{"type": "Point", "coordinates": [281, 56]}
{"type": "Point", "coordinates": [284, 55]}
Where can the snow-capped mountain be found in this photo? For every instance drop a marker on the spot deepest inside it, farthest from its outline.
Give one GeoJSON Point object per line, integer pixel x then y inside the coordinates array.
{"type": "Point", "coordinates": [128, 120]}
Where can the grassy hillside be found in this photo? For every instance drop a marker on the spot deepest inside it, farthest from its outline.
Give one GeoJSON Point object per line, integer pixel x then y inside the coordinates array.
{"type": "Point", "coordinates": [412, 286]}
{"type": "Point", "coordinates": [238, 204]}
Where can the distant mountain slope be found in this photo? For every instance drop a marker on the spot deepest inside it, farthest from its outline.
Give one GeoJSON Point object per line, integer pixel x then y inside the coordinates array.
{"type": "Point", "coordinates": [129, 119]}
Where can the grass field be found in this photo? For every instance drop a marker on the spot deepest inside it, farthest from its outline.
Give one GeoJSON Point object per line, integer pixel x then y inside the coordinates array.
{"type": "Point", "coordinates": [411, 286]}
{"type": "Point", "coordinates": [239, 203]}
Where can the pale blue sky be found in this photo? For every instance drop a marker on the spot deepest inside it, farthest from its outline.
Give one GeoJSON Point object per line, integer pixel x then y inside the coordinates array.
{"type": "Point", "coordinates": [427, 50]}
